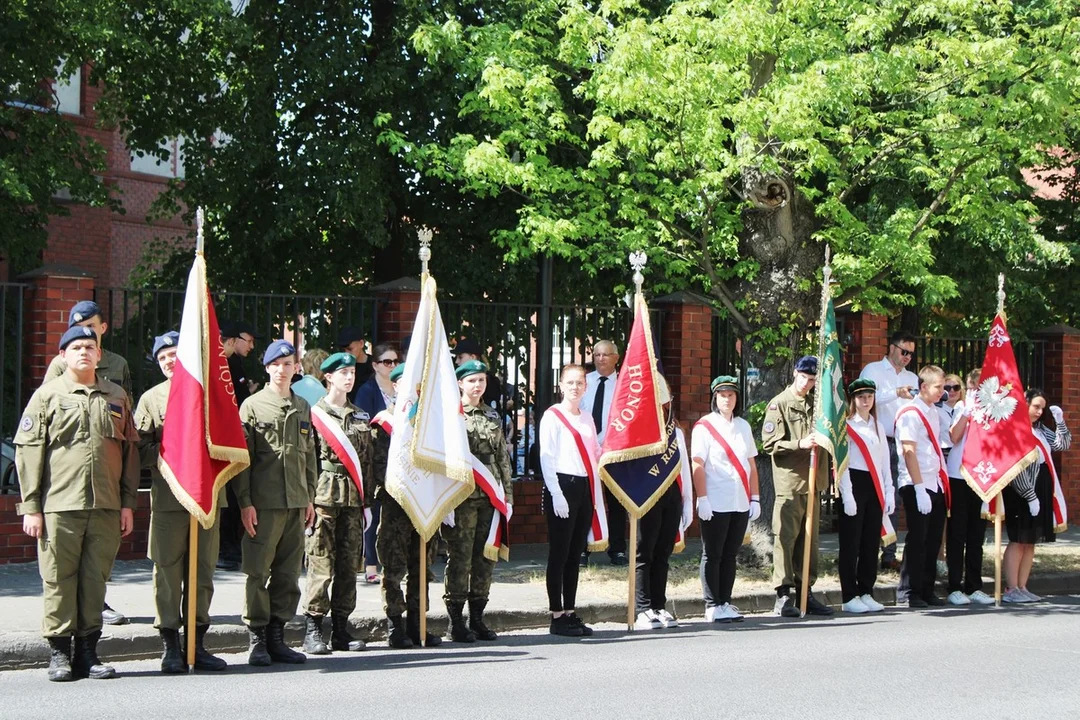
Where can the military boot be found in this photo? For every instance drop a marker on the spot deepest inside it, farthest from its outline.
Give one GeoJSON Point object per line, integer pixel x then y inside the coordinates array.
{"type": "Point", "coordinates": [60, 659]}
{"type": "Point", "coordinates": [313, 637]}
{"type": "Point", "coordinates": [395, 635]}
{"type": "Point", "coordinates": [172, 660]}
{"type": "Point", "coordinates": [203, 659]}
{"type": "Point", "coordinates": [85, 660]}
{"type": "Point", "coordinates": [412, 629]}
{"type": "Point", "coordinates": [257, 654]}
{"type": "Point", "coordinates": [476, 621]}
{"type": "Point", "coordinates": [341, 638]}
{"type": "Point", "coordinates": [279, 651]}
{"type": "Point", "coordinates": [459, 631]}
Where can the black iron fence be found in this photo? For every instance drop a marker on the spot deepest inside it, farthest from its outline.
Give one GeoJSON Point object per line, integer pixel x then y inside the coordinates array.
{"type": "Point", "coordinates": [962, 355]}
{"type": "Point", "coordinates": [13, 299]}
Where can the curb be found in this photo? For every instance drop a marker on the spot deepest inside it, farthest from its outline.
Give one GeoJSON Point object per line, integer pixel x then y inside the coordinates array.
{"type": "Point", "coordinates": [26, 650]}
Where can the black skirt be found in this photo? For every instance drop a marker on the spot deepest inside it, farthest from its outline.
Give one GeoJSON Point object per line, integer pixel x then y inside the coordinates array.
{"type": "Point", "coordinates": [1019, 523]}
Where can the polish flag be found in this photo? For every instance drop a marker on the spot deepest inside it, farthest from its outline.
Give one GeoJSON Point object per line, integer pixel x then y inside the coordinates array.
{"type": "Point", "coordinates": [202, 443]}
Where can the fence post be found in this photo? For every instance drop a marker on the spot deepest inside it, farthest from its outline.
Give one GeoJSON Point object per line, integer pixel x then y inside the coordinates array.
{"type": "Point", "coordinates": [869, 342]}
{"type": "Point", "coordinates": [55, 288]}
{"type": "Point", "coordinates": [686, 352]}
{"type": "Point", "coordinates": [399, 301]}
{"type": "Point", "coordinates": [1062, 373]}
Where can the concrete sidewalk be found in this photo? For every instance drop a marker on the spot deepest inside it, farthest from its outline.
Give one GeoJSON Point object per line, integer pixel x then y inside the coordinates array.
{"type": "Point", "coordinates": [514, 605]}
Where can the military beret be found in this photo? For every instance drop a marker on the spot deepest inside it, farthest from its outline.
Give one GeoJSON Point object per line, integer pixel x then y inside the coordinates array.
{"type": "Point", "coordinates": [725, 381]}
{"type": "Point", "coordinates": [83, 311]}
{"type": "Point", "coordinates": [77, 333]}
{"type": "Point", "coordinates": [397, 372]}
{"type": "Point", "coordinates": [236, 328]}
{"type": "Point", "coordinates": [470, 368]}
{"type": "Point", "coordinates": [861, 385]}
{"type": "Point", "coordinates": [168, 340]}
{"type": "Point", "coordinates": [337, 361]}
{"type": "Point", "coordinates": [278, 349]}
{"type": "Point", "coordinates": [468, 346]}
{"type": "Point", "coordinates": [806, 364]}
{"type": "Point", "coordinates": [349, 335]}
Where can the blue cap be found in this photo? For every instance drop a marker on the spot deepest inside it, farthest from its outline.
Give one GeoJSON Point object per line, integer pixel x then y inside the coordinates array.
{"type": "Point", "coordinates": [473, 367]}
{"type": "Point", "coordinates": [83, 311]}
{"type": "Point", "coordinates": [397, 372]}
{"type": "Point", "coordinates": [77, 333]}
{"type": "Point", "coordinates": [278, 349]}
{"type": "Point", "coordinates": [168, 340]}
{"type": "Point", "coordinates": [806, 364]}
{"type": "Point", "coordinates": [337, 361]}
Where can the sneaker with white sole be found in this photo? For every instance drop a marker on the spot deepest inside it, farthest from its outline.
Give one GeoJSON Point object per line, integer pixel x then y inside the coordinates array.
{"type": "Point", "coordinates": [1032, 597]}
{"type": "Point", "coordinates": [732, 612]}
{"type": "Point", "coordinates": [710, 613]}
{"type": "Point", "coordinates": [785, 608]}
{"type": "Point", "coordinates": [1014, 597]}
{"type": "Point", "coordinates": [871, 604]}
{"type": "Point", "coordinates": [958, 598]}
{"type": "Point", "coordinates": [647, 621]}
{"type": "Point", "coordinates": [724, 614]}
{"type": "Point", "coordinates": [667, 619]}
{"type": "Point", "coordinates": [855, 606]}
{"type": "Point", "coordinates": [980, 598]}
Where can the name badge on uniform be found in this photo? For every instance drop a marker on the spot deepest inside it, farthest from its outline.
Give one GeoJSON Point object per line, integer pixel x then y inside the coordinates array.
{"type": "Point", "coordinates": [116, 411]}
{"type": "Point", "coordinates": [361, 416]}
{"type": "Point", "coordinates": [491, 413]}
{"type": "Point", "coordinates": [305, 427]}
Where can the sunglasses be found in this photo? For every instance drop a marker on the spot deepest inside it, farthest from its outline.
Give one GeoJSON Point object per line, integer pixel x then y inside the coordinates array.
{"type": "Point", "coordinates": [952, 388]}
{"type": "Point", "coordinates": [903, 352]}
{"type": "Point", "coordinates": [388, 362]}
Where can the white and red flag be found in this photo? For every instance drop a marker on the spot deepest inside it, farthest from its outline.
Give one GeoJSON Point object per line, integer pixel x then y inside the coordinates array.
{"type": "Point", "coordinates": [999, 442]}
{"type": "Point", "coordinates": [202, 443]}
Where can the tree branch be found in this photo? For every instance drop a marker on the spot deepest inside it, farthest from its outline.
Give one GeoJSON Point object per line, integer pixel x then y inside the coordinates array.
{"type": "Point", "coordinates": [885, 152]}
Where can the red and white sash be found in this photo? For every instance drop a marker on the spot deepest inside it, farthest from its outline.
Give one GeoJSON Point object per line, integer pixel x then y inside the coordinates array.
{"type": "Point", "coordinates": [741, 470]}
{"type": "Point", "coordinates": [330, 430]}
{"type": "Point", "coordinates": [943, 476]}
{"type": "Point", "coordinates": [598, 529]}
{"type": "Point", "coordinates": [496, 545]}
{"type": "Point", "coordinates": [888, 534]}
{"type": "Point", "coordinates": [384, 419]}
{"type": "Point", "coordinates": [1061, 512]}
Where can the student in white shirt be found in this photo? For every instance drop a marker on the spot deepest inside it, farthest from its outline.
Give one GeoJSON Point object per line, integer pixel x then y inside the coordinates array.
{"type": "Point", "coordinates": [600, 388]}
{"type": "Point", "coordinates": [921, 490]}
{"type": "Point", "coordinates": [726, 503]}
{"type": "Point", "coordinates": [951, 407]}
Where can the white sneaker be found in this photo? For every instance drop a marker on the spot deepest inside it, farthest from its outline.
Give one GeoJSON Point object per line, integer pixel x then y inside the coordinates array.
{"type": "Point", "coordinates": [958, 598]}
{"type": "Point", "coordinates": [647, 621]}
{"type": "Point", "coordinates": [1014, 597]}
{"type": "Point", "coordinates": [855, 606]}
{"type": "Point", "coordinates": [980, 598]}
{"type": "Point", "coordinates": [724, 614]}
{"type": "Point", "coordinates": [666, 619]}
{"type": "Point", "coordinates": [1032, 597]}
{"type": "Point", "coordinates": [732, 612]}
{"type": "Point", "coordinates": [710, 614]}
{"type": "Point", "coordinates": [871, 604]}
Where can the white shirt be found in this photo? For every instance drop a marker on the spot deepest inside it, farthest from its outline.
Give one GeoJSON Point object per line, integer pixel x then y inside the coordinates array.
{"type": "Point", "coordinates": [592, 382]}
{"type": "Point", "coordinates": [956, 455]}
{"type": "Point", "coordinates": [723, 486]}
{"type": "Point", "coordinates": [948, 417]}
{"type": "Point", "coordinates": [910, 428]}
{"type": "Point", "coordinates": [873, 434]}
{"type": "Point", "coordinates": [887, 380]}
{"type": "Point", "coordinates": [558, 449]}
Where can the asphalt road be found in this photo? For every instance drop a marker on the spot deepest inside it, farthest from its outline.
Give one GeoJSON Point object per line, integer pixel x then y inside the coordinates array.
{"type": "Point", "coordinates": [1010, 663]}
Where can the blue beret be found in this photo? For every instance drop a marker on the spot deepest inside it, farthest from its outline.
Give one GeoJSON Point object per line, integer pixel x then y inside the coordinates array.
{"type": "Point", "coordinates": [397, 372]}
{"type": "Point", "coordinates": [77, 333]}
{"type": "Point", "coordinates": [861, 385]}
{"type": "Point", "coordinates": [278, 349]}
{"type": "Point", "coordinates": [337, 361]}
{"type": "Point", "coordinates": [725, 381]}
{"type": "Point", "coordinates": [83, 311]}
{"type": "Point", "coordinates": [470, 368]}
{"type": "Point", "coordinates": [806, 364]}
{"type": "Point", "coordinates": [168, 340]}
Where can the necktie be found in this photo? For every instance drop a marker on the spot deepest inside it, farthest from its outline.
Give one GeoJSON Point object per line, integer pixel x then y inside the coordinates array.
{"type": "Point", "coordinates": [598, 406]}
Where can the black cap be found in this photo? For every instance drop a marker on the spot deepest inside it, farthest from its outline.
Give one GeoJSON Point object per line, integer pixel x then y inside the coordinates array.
{"type": "Point", "coordinates": [350, 335]}
{"type": "Point", "coordinates": [236, 328]}
{"type": "Point", "coordinates": [467, 345]}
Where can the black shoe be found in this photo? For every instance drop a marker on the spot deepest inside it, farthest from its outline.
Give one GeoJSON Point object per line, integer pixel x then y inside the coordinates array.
{"type": "Point", "coordinates": [257, 654]}
{"type": "Point", "coordinates": [204, 659]}
{"type": "Point", "coordinates": [934, 601]}
{"type": "Point", "coordinates": [619, 559]}
{"type": "Point", "coordinates": [917, 603]}
{"type": "Point", "coordinates": [313, 637]}
{"type": "Point", "coordinates": [564, 625]}
{"type": "Point", "coordinates": [396, 637]}
{"type": "Point", "coordinates": [412, 631]}
{"type": "Point", "coordinates": [476, 621]}
{"type": "Point", "coordinates": [111, 617]}
{"type": "Point", "coordinates": [785, 608]}
{"type": "Point", "coordinates": [341, 638]}
{"type": "Point", "coordinates": [276, 647]}
{"type": "Point", "coordinates": [85, 662]}
{"type": "Point", "coordinates": [584, 561]}
{"type": "Point", "coordinates": [577, 622]}
{"type": "Point", "coordinates": [459, 631]}
{"type": "Point", "coordinates": [891, 564]}
{"type": "Point", "coordinates": [816, 607]}
{"type": "Point", "coordinates": [60, 659]}
{"type": "Point", "coordinates": [172, 659]}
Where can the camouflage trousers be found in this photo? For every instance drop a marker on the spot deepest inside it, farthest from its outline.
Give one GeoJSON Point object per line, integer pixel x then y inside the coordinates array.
{"type": "Point", "coordinates": [334, 554]}
{"type": "Point", "coordinates": [398, 546]}
{"type": "Point", "coordinates": [468, 572]}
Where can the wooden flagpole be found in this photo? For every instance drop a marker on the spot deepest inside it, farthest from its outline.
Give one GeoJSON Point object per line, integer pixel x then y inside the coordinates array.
{"type": "Point", "coordinates": [999, 515]}
{"type": "Point", "coordinates": [632, 567]}
{"type": "Point", "coordinates": [192, 589]}
{"type": "Point", "coordinates": [811, 518]}
{"type": "Point", "coordinates": [423, 591]}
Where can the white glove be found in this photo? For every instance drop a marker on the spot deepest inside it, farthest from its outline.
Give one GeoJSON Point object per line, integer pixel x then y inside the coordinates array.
{"type": "Point", "coordinates": [890, 501]}
{"type": "Point", "coordinates": [704, 509]}
{"type": "Point", "coordinates": [755, 508]}
{"type": "Point", "coordinates": [966, 412]}
{"type": "Point", "coordinates": [448, 521]}
{"type": "Point", "coordinates": [687, 515]}
{"type": "Point", "coordinates": [559, 506]}
{"type": "Point", "coordinates": [1056, 411]}
{"type": "Point", "coordinates": [509, 511]}
{"type": "Point", "coordinates": [922, 500]}
{"type": "Point", "coordinates": [1033, 507]}
{"type": "Point", "coordinates": [850, 508]}
{"type": "Point", "coordinates": [984, 510]}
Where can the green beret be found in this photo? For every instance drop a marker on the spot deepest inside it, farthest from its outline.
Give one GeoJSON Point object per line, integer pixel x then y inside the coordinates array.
{"type": "Point", "coordinates": [337, 361]}
{"type": "Point", "coordinates": [397, 372]}
{"type": "Point", "coordinates": [470, 368]}
{"type": "Point", "coordinates": [861, 385]}
{"type": "Point", "coordinates": [724, 381]}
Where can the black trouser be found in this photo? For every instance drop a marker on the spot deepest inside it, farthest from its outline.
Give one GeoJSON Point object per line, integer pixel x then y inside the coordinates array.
{"type": "Point", "coordinates": [860, 535]}
{"type": "Point", "coordinates": [721, 539]}
{"type": "Point", "coordinates": [919, 568]}
{"type": "Point", "coordinates": [966, 533]}
{"type": "Point", "coordinates": [657, 531]}
{"type": "Point", "coordinates": [616, 522]}
{"type": "Point", "coordinates": [888, 553]}
{"type": "Point", "coordinates": [567, 538]}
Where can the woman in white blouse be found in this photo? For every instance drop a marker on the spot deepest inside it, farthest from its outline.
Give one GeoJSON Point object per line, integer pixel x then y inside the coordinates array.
{"type": "Point", "coordinates": [866, 489]}
{"type": "Point", "coordinates": [568, 456]}
{"type": "Point", "coordinates": [726, 484]}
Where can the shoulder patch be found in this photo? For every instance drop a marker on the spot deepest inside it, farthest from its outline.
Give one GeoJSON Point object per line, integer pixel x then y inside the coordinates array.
{"type": "Point", "coordinates": [305, 427]}
{"type": "Point", "coordinates": [361, 416]}
{"type": "Point", "coordinates": [768, 427]}
{"type": "Point", "coordinates": [491, 413]}
{"type": "Point", "coordinates": [27, 423]}
{"type": "Point", "coordinates": [117, 411]}
{"type": "Point", "coordinates": [772, 406]}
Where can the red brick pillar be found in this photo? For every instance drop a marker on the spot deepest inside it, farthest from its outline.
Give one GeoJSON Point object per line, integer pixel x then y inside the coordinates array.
{"type": "Point", "coordinates": [399, 301]}
{"type": "Point", "coordinates": [1062, 387]}
{"type": "Point", "coordinates": [55, 289]}
{"type": "Point", "coordinates": [686, 353]}
{"type": "Point", "coordinates": [869, 342]}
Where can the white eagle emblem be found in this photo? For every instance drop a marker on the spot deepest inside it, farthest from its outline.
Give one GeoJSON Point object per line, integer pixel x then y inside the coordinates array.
{"type": "Point", "coordinates": [992, 403]}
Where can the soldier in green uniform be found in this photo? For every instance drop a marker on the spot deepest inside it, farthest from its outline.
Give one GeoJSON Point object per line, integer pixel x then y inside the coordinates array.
{"type": "Point", "coordinates": [169, 531]}
{"type": "Point", "coordinates": [275, 495]}
{"type": "Point", "coordinates": [77, 457]}
{"type": "Point", "coordinates": [335, 547]}
{"type": "Point", "coordinates": [398, 547]}
{"type": "Point", "coordinates": [468, 570]}
{"type": "Point", "coordinates": [787, 435]}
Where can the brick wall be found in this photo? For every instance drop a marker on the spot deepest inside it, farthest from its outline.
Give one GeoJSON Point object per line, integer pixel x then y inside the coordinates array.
{"type": "Point", "coordinates": [869, 342]}
{"type": "Point", "coordinates": [1062, 387]}
{"type": "Point", "coordinates": [686, 352]}
{"type": "Point", "coordinates": [399, 303]}
{"type": "Point", "coordinates": [55, 290]}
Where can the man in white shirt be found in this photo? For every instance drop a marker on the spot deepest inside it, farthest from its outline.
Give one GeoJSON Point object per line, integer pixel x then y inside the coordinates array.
{"type": "Point", "coordinates": [896, 385]}
{"type": "Point", "coordinates": [921, 488]}
{"type": "Point", "coordinates": [599, 389]}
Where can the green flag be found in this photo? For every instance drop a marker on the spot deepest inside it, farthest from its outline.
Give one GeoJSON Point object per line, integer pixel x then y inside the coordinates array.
{"type": "Point", "coordinates": [830, 407]}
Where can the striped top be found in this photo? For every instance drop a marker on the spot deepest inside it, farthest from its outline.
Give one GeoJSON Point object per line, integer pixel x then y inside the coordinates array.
{"type": "Point", "coordinates": [1058, 441]}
